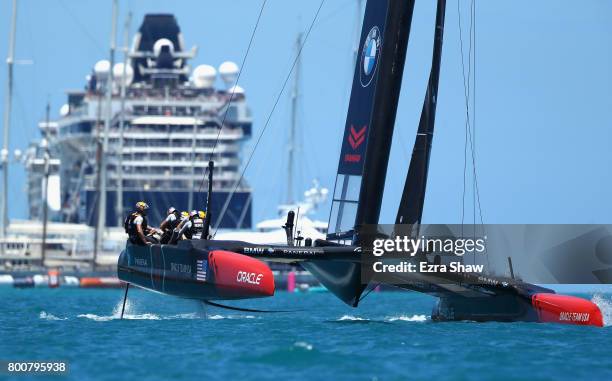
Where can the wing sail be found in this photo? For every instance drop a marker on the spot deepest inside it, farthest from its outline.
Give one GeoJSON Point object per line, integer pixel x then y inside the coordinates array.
{"type": "Point", "coordinates": [413, 197]}
{"type": "Point", "coordinates": [367, 139]}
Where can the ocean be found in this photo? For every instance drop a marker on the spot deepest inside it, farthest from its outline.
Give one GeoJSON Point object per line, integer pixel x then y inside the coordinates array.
{"type": "Point", "coordinates": [389, 337]}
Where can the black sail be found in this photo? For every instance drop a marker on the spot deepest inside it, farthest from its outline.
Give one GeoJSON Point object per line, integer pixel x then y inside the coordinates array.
{"type": "Point", "coordinates": [367, 138]}
{"type": "Point", "coordinates": [410, 209]}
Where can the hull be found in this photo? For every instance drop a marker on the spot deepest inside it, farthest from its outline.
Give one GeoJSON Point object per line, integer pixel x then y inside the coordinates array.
{"type": "Point", "coordinates": [191, 273]}
{"type": "Point", "coordinates": [539, 307]}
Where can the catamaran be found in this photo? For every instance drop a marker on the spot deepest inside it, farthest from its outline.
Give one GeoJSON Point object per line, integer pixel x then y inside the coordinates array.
{"type": "Point", "coordinates": [211, 270]}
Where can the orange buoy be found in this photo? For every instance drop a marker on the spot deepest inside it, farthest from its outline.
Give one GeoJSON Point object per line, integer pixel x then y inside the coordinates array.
{"type": "Point", "coordinates": [53, 276]}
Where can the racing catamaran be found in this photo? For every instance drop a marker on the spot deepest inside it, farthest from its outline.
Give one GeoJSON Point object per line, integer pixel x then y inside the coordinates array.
{"type": "Point", "coordinates": [212, 270]}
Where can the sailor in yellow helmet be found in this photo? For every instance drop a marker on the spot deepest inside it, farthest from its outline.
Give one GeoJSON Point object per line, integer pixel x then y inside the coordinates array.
{"type": "Point", "coordinates": [137, 226]}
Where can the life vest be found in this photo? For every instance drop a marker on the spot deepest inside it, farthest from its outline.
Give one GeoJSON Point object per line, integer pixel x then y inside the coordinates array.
{"type": "Point", "coordinates": [130, 227]}
{"type": "Point", "coordinates": [197, 227]}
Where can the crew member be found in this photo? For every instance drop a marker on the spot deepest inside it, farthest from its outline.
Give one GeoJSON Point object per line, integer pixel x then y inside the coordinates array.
{"type": "Point", "coordinates": [169, 224]}
{"type": "Point", "coordinates": [192, 228]}
{"type": "Point", "coordinates": [137, 227]}
{"type": "Point", "coordinates": [176, 234]}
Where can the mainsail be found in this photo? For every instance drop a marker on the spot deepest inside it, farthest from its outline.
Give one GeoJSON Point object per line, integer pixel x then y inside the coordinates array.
{"type": "Point", "coordinates": [411, 205]}
{"type": "Point", "coordinates": [367, 138]}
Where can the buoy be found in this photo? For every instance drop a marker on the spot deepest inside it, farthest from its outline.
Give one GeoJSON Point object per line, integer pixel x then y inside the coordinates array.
{"type": "Point", "coordinates": [100, 282]}
{"type": "Point", "coordinates": [53, 278]}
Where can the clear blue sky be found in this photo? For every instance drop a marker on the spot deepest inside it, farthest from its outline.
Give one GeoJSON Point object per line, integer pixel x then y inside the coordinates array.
{"type": "Point", "coordinates": [543, 95]}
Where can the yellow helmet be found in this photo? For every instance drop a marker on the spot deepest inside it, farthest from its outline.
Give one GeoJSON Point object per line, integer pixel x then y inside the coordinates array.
{"type": "Point", "coordinates": [184, 214]}
{"type": "Point", "coordinates": [202, 214]}
{"type": "Point", "coordinates": [142, 206]}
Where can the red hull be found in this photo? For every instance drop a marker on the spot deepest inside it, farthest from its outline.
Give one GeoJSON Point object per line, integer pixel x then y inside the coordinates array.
{"type": "Point", "coordinates": [554, 308]}
{"type": "Point", "coordinates": [239, 275]}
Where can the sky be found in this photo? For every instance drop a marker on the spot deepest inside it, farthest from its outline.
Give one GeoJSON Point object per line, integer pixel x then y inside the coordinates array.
{"type": "Point", "coordinates": [543, 96]}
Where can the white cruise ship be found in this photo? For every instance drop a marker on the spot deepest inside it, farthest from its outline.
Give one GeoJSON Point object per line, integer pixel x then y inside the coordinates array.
{"type": "Point", "coordinates": [163, 130]}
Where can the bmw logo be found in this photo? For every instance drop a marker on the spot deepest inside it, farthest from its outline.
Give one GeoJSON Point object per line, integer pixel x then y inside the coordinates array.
{"type": "Point", "coordinates": [369, 57]}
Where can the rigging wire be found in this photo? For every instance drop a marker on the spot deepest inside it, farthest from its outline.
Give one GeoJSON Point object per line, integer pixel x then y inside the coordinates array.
{"type": "Point", "coordinates": [466, 92]}
{"type": "Point", "coordinates": [229, 103]}
{"type": "Point", "coordinates": [82, 27]}
{"type": "Point", "coordinates": [470, 123]}
{"type": "Point", "coordinates": [477, 190]}
{"type": "Point", "coordinates": [469, 80]}
{"type": "Point", "coordinates": [269, 118]}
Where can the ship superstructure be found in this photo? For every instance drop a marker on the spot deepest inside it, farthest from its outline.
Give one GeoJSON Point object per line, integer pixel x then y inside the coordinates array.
{"type": "Point", "coordinates": [159, 146]}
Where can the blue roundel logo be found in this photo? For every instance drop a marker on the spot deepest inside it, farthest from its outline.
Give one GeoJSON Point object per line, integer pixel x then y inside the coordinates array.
{"type": "Point", "coordinates": [370, 55]}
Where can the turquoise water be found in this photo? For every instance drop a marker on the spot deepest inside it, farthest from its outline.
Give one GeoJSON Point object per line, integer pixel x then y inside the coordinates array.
{"type": "Point", "coordinates": [390, 337]}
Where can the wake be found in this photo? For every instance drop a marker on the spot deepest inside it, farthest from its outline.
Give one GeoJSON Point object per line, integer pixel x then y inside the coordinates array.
{"type": "Point", "coordinates": [389, 319]}
{"type": "Point", "coordinates": [605, 306]}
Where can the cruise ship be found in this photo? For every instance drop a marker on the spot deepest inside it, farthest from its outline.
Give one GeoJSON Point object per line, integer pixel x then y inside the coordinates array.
{"type": "Point", "coordinates": [167, 121]}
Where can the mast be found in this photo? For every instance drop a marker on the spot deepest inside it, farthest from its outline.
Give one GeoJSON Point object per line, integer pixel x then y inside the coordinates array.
{"type": "Point", "coordinates": [294, 115]}
{"type": "Point", "coordinates": [413, 197]}
{"type": "Point", "coordinates": [109, 113]}
{"type": "Point", "coordinates": [126, 50]}
{"type": "Point", "coordinates": [209, 197]}
{"type": "Point", "coordinates": [4, 155]}
{"type": "Point", "coordinates": [98, 162]}
{"type": "Point", "coordinates": [382, 122]}
{"type": "Point", "coordinates": [45, 188]}
{"type": "Point", "coordinates": [193, 162]}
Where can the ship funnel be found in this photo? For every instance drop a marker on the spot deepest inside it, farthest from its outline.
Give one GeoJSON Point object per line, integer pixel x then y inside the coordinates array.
{"type": "Point", "coordinates": [159, 45]}
{"type": "Point", "coordinates": [102, 68]}
{"type": "Point", "coordinates": [204, 76]}
{"type": "Point", "coordinates": [118, 74]}
{"type": "Point", "coordinates": [229, 73]}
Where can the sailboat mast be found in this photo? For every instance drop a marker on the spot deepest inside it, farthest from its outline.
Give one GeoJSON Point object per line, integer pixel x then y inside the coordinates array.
{"type": "Point", "coordinates": [194, 133]}
{"type": "Point", "coordinates": [126, 51]}
{"type": "Point", "coordinates": [8, 100]}
{"type": "Point", "coordinates": [294, 115]}
{"type": "Point", "coordinates": [109, 113]}
{"type": "Point", "coordinates": [382, 119]}
{"type": "Point", "coordinates": [411, 206]}
{"type": "Point", "coordinates": [45, 188]}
